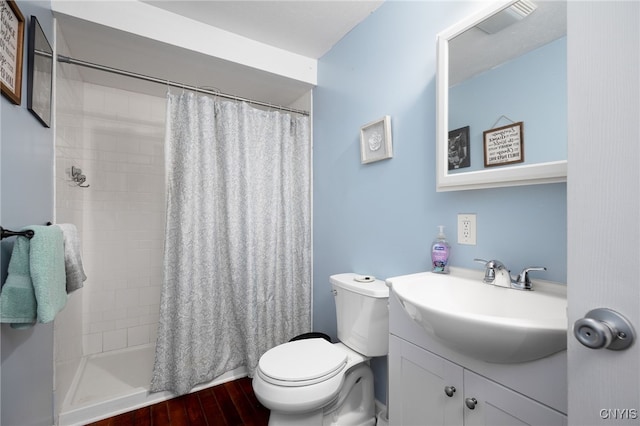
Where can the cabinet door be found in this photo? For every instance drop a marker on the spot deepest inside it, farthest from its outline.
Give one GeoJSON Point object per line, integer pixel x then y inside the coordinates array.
{"type": "Point", "coordinates": [417, 382]}
{"type": "Point", "coordinates": [500, 406]}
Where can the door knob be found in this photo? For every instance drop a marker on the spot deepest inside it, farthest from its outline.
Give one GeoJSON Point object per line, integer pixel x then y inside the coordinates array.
{"type": "Point", "coordinates": [604, 328]}
{"type": "Point", "coordinates": [471, 403]}
{"type": "Point", "coordinates": [449, 390]}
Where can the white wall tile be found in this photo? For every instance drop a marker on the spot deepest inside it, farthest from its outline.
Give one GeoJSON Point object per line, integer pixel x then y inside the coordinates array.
{"type": "Point", "coordinates": [127, 297]}
{"type": "Point", "coordinates": [150, 295]}
{"type": "Point", "coordinates": [116, 103]}
{"type": "Point", "coordinates": [112, 340]}
{"type": "Point", "coordinates": [138, 335]}
{"type": "Point", "coordinates": [114, 314]}
{"type": "Point", "coordinates": [127, 323]}
{"type": "Point", "coordinates": [93, 99]}
{"type": "Point", "coordinates": [150, 319]}
{"type": "Point", "coordinates": [153, 332]}
{"type": "Point", "coordinates": [101, 326]}
{"type": "Point", "coordinates": [117, 138]}
{"type": "Point", "coordinates": [101, 300]}
{"type": "Point", "coordinates": [92, 343]}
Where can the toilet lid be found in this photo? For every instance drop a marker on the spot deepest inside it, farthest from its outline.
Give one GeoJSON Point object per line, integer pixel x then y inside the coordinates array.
{"type": "Point", "coordinates": [302, 362]}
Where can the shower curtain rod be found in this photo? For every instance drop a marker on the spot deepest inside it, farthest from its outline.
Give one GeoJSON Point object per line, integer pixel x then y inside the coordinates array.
{"type": "Point", "coordinates": [68, 60]}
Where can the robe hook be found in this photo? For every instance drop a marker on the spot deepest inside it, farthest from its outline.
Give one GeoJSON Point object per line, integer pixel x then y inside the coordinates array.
{"type": "Point", "coordinates": [78, 177]}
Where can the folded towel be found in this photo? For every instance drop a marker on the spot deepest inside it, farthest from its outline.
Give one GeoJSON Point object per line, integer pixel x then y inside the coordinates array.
{"type": "Point", "coordinates": [46, 260]}
{"type": "Point", "coordinates": [18, 299]}
{"type": "Point", "coordinates": [35, 286]}
{"type": "Point", "coordinates": [72, 258]}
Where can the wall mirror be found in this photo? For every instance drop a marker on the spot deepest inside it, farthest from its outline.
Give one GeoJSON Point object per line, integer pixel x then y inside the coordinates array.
{"type": "Point", "coordinates": [503, 68]}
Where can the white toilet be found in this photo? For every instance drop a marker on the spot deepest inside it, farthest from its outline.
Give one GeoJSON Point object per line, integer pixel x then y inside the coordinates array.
{"type": "Point", "coordinates": [315, 382]}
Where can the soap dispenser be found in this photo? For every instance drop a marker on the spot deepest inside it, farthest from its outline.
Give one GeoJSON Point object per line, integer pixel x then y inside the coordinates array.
{"type": "Point", "coordinates": [440, 253]}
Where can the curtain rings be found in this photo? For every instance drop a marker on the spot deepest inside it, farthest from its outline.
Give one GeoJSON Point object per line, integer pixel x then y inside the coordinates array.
{"type": "Point", "coordinates": [212, 90]}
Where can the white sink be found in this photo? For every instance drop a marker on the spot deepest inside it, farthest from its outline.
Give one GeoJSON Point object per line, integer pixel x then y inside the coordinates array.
{"type": "Point", "coordinates": [493, 324]}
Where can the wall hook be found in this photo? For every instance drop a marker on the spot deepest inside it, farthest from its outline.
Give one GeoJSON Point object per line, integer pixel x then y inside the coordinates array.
{"type": "Point", "coordinates": [78, 177]}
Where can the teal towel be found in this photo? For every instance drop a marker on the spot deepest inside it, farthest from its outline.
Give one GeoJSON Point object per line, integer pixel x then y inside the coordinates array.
{"type": "Point", "coordinates": [47, 271]}
{"type": "Point", "coordinates": [18, 299]}
{"type": "Point", "coordinates": [39, 262]}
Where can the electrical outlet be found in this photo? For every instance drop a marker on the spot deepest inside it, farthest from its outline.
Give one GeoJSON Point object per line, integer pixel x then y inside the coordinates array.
{"type": "Point", "coordinates": [467, 229]}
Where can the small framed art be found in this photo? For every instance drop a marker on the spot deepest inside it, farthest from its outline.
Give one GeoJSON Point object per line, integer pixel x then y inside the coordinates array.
{"type": "Point", "coordinates": [459, 151]}
{"type": "Point", "coordinates": [375, 140]}
{"type": "Point", "coordinates": [11, 46]}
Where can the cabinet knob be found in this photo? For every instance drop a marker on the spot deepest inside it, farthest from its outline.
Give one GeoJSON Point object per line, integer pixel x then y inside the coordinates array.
{"type": "Point", "coordinates": [449, 390]}
{"type": "Point", "coordinates": [471, 403]}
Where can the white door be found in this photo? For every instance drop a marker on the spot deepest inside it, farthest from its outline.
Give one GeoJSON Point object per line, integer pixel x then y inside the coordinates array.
{"type": "Point", "coordinates": [604, 203]}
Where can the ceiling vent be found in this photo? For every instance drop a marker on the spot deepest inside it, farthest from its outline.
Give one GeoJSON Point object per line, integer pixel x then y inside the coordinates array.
{"type": "Point", "coordinates": [508, 16]}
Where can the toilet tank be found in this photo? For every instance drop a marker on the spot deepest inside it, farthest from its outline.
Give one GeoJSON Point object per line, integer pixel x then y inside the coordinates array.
{"type": "Point", "coordinates": [362, 313]}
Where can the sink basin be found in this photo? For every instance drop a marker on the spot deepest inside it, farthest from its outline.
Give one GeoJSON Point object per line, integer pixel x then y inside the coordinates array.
{"type": "Point", "coordinates": [493, 324]}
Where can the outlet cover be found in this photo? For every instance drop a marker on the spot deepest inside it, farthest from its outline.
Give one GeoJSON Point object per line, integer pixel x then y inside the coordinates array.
{"type": "Point", "coordinates": [467, 229]}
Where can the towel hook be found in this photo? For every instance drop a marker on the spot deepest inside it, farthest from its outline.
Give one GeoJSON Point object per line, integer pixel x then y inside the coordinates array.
{"type": "Point", "coordinates": [78, 177]}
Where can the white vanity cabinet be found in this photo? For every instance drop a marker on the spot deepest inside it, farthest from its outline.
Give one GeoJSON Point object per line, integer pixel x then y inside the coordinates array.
{"type": "Point", "coordinates": [423, 376]}
{"type": "Point", "coordinates": [417, 382]}
{"type": "Point", "coordinates": [426, 389]}
{"type": "Point", "coordinates": [498, 405]}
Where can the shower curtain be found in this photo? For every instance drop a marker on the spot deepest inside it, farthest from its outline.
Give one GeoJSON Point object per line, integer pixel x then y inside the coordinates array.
{"type": "Point", "coordinates": [237, 265]}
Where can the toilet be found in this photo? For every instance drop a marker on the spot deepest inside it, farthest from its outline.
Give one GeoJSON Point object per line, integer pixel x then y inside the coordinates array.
{"type": "Point", "coordinates": [315, 382]}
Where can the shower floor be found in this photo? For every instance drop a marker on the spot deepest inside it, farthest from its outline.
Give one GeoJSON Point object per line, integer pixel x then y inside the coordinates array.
{"type": "Point", "coordinates": [115, 382]}
{"type": "Point", "coordinates": [98, 383]}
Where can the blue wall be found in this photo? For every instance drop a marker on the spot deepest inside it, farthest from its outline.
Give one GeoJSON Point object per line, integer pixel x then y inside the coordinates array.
{"type": "Point", "coordinates": [26, 197]}
{"type": "Point", "coordinates": [380, 218]}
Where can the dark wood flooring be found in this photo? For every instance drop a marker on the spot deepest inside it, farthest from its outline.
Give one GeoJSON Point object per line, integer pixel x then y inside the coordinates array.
{"type": "Point", "coordinates": [229, 404]}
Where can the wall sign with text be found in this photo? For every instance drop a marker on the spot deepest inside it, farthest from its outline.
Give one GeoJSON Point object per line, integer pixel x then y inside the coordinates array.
{"type": "Point", "coordinates": [11, 46]}
{"type": "Point", "coordinates": [504, 145]}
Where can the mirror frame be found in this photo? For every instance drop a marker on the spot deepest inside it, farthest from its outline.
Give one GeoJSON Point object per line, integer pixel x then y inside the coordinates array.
{"type": "Point", "coordinates": [526, 174]}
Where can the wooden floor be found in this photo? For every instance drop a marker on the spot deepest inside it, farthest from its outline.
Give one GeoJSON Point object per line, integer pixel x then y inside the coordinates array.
{"type": "Point", "coordinates": [229, 404]}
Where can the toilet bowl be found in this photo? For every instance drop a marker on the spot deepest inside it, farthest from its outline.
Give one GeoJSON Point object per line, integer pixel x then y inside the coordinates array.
{"type": "Point", "coordinates": [315, 382]}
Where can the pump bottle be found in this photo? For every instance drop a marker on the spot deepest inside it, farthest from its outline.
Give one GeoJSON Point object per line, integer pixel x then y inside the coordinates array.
{"type": "Point", "coordinates": [440, 253]}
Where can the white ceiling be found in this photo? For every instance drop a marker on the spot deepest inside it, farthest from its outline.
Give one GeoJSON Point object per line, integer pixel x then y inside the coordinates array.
{"type": "Point", "coordinates": [307, 28]}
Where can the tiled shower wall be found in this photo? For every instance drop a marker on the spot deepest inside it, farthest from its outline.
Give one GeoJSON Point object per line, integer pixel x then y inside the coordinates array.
{"type": "Point", "coordinates": [116, 137]}
{"type": "Point", "coordinates": [69, 209]}
{"type": "Point", "coordinates": [123, 217]}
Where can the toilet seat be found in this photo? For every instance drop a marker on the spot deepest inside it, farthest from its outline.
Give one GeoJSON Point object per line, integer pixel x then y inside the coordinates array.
{"type": "Point", "coordinates": [302, 363]}
{"type": "Point", "coordinates": [304, 396]}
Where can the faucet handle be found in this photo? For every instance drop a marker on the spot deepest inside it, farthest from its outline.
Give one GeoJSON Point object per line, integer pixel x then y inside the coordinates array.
{"type": "Point", "coordinates": [523, 282]}
{"type": "Point", "coordinates": [493, 264]}
{"type": "Point", "coordinates": [491, 267]}
{"type": "Point", "coordinates": [489, 272]}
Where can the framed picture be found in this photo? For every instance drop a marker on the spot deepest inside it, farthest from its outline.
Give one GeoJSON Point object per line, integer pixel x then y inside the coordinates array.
{"type": "Point", "coordinates": [11, 47]}
{"type": "Point", "coordinates": [39, 82]}
{"type": "Point", "coordinates": [459, 151]}
{"type": "Point", "coordinates": [504, 145]}
{"type": "Point", "coordinates": [375, 140]}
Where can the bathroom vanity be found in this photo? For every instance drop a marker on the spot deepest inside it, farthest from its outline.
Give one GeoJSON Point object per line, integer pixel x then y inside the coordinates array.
{"type": "Point", "coordinates": [432, 384]}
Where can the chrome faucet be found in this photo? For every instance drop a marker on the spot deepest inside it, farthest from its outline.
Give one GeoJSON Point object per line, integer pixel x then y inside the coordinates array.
{"type": "Point", "coordinates": [496, 273]}
{"type": "Point", "coordinates": [523, 282]}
